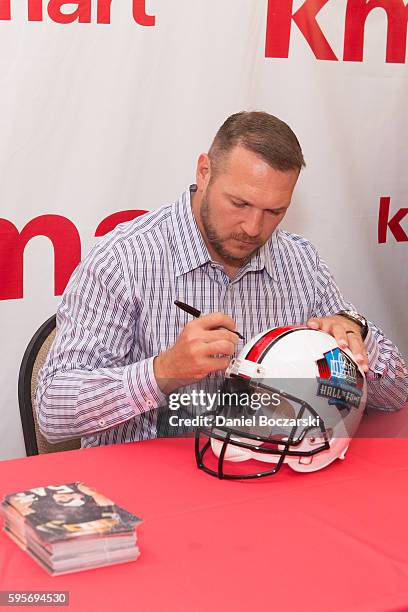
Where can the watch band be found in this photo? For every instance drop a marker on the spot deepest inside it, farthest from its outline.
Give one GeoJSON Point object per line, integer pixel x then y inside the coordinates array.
{"type": "Point", "coordinates": [351, 315]}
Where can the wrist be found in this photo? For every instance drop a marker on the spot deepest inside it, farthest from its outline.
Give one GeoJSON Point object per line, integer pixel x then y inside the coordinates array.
{"type": "Point", "coordinates": [163, 376]}
{"type": "Point", "coordinates": [352, 326]}
{"type": "Point", "coordinates": [359, 321]}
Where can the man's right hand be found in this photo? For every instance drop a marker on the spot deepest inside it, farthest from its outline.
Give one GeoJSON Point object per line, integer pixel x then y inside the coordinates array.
{"type": "Point", "coordinates": [201, 348]}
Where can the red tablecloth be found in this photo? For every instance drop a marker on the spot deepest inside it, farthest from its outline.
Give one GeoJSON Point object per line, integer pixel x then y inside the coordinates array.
{"type": "Point", "coordinates": [332, 540]}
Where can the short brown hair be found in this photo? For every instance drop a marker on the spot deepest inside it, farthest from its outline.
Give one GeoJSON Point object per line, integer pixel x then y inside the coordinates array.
{"type": "Point", "coordinates": [262, 133]}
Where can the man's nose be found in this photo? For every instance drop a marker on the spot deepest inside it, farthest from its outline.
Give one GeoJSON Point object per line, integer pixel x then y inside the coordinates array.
{"type": "Point", "coordinates": [253, 223]}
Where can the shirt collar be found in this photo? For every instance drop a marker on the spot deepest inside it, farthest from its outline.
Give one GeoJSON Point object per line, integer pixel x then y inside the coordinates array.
{"type": "Point", "coordinates": [269, 254]}
{"type": "Point", "coordinates": [191, 251]}
{"type": "Point", "coordinates": [265, 258]}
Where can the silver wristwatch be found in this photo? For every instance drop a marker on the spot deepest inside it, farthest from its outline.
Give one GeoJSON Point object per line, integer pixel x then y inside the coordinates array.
{"type": "Point", "coordinates": [354, 316]}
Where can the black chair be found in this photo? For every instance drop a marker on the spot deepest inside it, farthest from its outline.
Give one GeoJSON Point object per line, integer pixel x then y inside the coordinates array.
{"type": "Point", "coordinates": [34, 357]}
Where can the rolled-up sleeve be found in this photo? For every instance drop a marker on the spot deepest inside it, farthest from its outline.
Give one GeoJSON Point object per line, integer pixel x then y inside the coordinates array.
{"type": "Point", "coordinates": [88, 383]}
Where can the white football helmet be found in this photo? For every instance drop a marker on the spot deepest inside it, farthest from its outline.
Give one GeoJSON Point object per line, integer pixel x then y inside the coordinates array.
{"type": "Point", "coordinates": [292, 396]}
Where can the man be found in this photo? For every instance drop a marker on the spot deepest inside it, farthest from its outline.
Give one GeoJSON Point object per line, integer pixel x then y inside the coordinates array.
{"type": "Point", "coordinates": [122, 346]}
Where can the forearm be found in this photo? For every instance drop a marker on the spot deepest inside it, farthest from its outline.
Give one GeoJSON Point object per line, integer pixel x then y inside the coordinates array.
{"type": "Point", "coordinates": [387, 378]}
{"type": "Point", "coordinates": [78, 402]}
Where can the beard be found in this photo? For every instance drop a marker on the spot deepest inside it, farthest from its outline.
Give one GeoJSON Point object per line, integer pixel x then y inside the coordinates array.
{"type": "Point", "coordinates": [218, 243]}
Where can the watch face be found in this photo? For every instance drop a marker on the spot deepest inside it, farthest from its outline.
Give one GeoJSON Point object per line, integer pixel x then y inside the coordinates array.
{"type": "Point", "coordinates": [355, 315]}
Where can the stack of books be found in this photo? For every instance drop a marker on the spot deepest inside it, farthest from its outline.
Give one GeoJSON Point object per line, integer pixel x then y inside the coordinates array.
{"type": "Point", "coordinates": [70, 527]}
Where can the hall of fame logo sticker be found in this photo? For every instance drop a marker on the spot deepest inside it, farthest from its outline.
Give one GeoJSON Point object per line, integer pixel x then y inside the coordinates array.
{"type": "Point", "coordinates": [339, 380]}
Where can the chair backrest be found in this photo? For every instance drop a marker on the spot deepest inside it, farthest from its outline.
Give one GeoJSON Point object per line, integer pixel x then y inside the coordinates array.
{"type": "Point", "coordinates": [34, 357]}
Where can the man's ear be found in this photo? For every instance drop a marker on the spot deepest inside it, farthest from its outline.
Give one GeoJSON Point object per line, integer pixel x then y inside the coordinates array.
{"type": "Point", "coordinates": [203, 172]}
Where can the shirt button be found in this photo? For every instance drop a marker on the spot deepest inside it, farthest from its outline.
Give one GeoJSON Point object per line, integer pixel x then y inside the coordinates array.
{"type": "Point", "coordinates": [102, 422]}
{"type": "Point", "coordinates": [149, 403]}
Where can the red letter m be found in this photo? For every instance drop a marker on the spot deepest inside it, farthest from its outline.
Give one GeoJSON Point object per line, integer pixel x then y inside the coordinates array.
{"type": "Point", "coordinates": [356, 15]}
{"type": "Point", "coordinates": [67, 252]}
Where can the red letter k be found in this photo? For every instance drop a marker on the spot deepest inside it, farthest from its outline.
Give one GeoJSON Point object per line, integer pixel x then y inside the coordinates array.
{"type": "Point", "coordinates": [279, 23]}
{"type": "Point", "coordinates": [393, 224]}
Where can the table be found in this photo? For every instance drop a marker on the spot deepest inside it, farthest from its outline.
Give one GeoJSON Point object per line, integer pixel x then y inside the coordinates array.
{"type": "Point", "coordinates": [334, 540]}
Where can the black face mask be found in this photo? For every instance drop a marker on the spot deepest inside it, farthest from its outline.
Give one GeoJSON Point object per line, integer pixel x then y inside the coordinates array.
{"type": "Point", "coordinates": [238, 422]}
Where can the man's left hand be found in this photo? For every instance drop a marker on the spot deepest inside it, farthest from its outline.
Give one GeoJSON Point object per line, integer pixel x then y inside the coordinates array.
{"type": "Point", "coordinates": [346, 332]}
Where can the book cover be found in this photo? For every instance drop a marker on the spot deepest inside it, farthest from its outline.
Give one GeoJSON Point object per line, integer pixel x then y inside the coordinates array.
{"type": "Point", "coordinates": [59, 512]}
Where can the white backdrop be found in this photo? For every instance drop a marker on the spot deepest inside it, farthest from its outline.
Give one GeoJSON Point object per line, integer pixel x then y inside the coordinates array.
{"type": "Point", "coordinates": [97, 118]}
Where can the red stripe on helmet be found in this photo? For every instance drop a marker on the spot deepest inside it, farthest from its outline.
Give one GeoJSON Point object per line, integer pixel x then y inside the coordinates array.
{"type": "Point", "coordinates": [263, 343]}
{"type": "Point", "coordinates": [324, 370]}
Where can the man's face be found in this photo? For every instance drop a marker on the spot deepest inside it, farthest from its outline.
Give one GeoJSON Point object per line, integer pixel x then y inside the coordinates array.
{"type": "Point", "coordinates": [66, 498]}
{"type": "Point", "coordinates": [241, 207]}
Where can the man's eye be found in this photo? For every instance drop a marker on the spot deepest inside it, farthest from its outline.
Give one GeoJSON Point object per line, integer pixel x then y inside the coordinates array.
{"type": "Point", "coordinates": [275, 212]}
{"type": "Point", "coordinates": [239, 204]}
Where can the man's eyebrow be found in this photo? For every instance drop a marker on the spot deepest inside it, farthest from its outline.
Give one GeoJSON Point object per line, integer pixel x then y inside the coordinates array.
{"type": "Point", "coordinates": [241, 201]}
{"type": "Point", "coordinates": [229, 195]}
{"type": "Point", "coordinates": [280, 209]}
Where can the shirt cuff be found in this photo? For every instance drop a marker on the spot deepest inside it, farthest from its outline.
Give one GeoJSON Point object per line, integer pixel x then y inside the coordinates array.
{"type": "Point", "coordinates": [141, 386]}
{"type": "Point", "coordinates": [373, 351]}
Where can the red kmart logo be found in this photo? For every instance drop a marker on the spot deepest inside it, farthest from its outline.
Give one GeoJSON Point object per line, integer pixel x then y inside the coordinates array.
{"type": "Point", "coordinates": [281, 16]}
{"type": "Point", "coordinates": [66, 241]}
{"type": "Point", "coordinates": [62, 12]}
